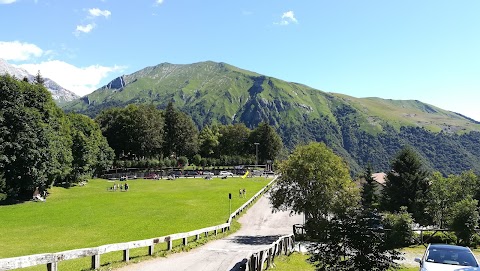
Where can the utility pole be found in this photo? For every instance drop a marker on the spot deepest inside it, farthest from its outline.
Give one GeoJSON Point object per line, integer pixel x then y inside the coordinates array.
{"type": "Point", "coordinates": [256, 154]}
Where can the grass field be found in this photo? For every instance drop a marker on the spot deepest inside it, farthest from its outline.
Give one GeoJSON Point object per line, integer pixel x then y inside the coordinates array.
{"type": "Point", "coordinates": [90, 215]}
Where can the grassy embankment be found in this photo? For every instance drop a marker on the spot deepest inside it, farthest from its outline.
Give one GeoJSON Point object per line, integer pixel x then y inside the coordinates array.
{"type": "Point", "coordinates": [90, 216]}
{"type": "Point", "coordinates": [297, 261]}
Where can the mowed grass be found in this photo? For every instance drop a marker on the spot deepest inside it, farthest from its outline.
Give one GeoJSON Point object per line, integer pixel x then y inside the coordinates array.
{"type": "Point", "coordinates": [90, 216]}
{"type": "Point", "coordinates": [295, 261]}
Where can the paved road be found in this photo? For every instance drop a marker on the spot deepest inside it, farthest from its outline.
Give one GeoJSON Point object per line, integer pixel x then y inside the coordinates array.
{"type": "Point", "coordinates": [259, 229]}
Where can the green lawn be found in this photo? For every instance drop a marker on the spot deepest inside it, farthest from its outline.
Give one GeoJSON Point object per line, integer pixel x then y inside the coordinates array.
{"type": "Point", "coordinates": [91, 216]}
{"type": "Point", "coordinates": [295, 261]}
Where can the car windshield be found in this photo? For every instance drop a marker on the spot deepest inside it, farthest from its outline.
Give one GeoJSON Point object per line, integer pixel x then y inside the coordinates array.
{"type": "Point", "coordinates": [451, 256]}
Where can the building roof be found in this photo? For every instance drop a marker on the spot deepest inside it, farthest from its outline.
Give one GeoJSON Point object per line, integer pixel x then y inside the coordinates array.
{"type": "Point", "coordinates": [379, 177]}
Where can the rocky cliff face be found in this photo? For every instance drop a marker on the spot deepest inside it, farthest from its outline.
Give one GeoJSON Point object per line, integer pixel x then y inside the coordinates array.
{"type": "Point", "coordinates": [59, 94]}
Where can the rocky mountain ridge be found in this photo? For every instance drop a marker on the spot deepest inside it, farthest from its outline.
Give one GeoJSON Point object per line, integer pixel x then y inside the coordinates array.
{"type": "Point", "coordinates": [59, 94]}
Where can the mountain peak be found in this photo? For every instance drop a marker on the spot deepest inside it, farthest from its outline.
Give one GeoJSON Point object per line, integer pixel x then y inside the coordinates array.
{"type": "Point", "coordinates": [59, 94]}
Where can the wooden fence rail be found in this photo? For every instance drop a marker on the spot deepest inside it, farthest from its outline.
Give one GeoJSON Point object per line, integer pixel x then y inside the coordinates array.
{"type": "Point", "coordinates": [51, 260]}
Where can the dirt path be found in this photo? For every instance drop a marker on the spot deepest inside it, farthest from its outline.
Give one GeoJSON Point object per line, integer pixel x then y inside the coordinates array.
{"type": "Point", "coordinates": [260, 227]}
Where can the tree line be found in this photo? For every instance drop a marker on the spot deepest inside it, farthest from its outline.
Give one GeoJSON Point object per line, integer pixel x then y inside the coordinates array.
{"type": "Point", "coordinates": [40, 145]}
{"type": "Point", "coordinates": [143, 132]}
{"type": "Point", "coordinates": [362, 227]}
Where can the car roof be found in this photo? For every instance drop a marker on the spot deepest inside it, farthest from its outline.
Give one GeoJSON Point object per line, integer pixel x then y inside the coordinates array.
{"type": "Point", "coordinates": [445, 246]}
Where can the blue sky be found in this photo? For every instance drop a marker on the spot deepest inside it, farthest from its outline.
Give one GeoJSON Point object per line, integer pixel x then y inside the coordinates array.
{"type": "Point", "coordinates": [409, 49]}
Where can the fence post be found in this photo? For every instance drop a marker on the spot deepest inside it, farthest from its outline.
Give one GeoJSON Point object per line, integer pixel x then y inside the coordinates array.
{"type": "Point", "coordinates": [253, 263]}
{"type": "Point", "coordinates": [52, 266]}
{"type": "Point", "coordinates": [151, 250]}
{"type": "Point", "coordinates": [96, 261]}
{"type": "Point", "coordinates": [269, 258]}
{"type": "Point", "coordinates": [126, 255]}
{"type": "Point", "coordinates": [261, 258]}
{"type": "Point", "coordinates": [185, 241]}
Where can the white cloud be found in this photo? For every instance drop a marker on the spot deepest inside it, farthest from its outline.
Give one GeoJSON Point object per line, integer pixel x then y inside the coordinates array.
{"type": "Point", "coordinates": [7, 1]}
{"type": "Point", "coordinates": [288, 17]}
{"type": "Point", "coordinates": [81, 80]}
{"type": "Point", "coordinates": [85, 28]}
{"type": "Point", "coordinates": [98, 12]}
{"type": "Point", "coordinates": [159, 2]}
{"type": "Point", "coordinates": [19, 51]}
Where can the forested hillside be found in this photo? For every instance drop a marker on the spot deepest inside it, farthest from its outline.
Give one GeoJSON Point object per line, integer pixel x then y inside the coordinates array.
{"type": "Point", "coordinates": [362, 130]}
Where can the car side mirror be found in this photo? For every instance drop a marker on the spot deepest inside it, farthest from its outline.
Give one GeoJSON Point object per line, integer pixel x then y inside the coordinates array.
{"type": "Point", "coordinates": [418, 260]}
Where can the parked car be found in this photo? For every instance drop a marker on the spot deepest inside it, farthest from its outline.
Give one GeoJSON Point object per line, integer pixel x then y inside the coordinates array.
{"type": "Point", "coordinates": [447, 257]}
{"type": "Point", "coordinates": [152, 176]}
{"type": "Point", "coordinates": [225, 173]}
{"type": "Point", "coordinates": [191, 173]}
{"type": "Point", "coordinates": [207, 173]}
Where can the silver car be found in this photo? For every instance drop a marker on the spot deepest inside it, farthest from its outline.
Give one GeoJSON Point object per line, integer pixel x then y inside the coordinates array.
{"type": "Point", "coordinates": [441, 257]}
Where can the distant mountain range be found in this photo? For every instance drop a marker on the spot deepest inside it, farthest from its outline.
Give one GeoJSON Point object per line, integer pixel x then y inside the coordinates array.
{"type": "Point", "coordinates": [59, 94]}
{"type": "Point", "coordinates": [362, 130]}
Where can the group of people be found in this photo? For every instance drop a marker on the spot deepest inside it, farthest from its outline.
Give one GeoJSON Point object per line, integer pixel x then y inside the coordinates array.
{"type": "Point", "coordinates": [120, 187]}
{"type": "Point", "coordinates": [39, 195]}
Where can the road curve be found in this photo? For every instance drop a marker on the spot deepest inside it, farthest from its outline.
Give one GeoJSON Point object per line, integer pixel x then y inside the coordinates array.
{"type": "Point", "coordinates": [260, 227]}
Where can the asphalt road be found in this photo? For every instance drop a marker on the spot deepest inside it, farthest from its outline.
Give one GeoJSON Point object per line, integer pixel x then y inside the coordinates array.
{"type": "Point", "coordinates": [260, 227]}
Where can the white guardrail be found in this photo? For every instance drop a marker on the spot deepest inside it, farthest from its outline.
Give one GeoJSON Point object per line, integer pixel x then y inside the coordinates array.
{"type": "Point", "coordinates": [52, 259]}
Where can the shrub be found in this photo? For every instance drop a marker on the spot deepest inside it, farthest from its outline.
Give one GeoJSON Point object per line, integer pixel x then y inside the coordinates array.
{"type": "Point", "coordinates": [398, 228]}
{"type": "Point", "coordinates": [182, 161]}
{"type": "Point", "coordinates": [464, 220]}
{"type": "Point", "coordinates": [439, 237]}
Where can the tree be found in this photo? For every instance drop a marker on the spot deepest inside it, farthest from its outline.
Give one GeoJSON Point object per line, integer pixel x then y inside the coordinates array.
{"type": "Point", "coordinates": [349, 242]}
{"type": "Point", "coordinates": [316, 182]}
{"type": "Point", "coordinates": [208, 142]}
{"type": "Point", "coordinates": [370, 199]}
{"type": "Point", "coordinates": [90, 149]}
{"type": "Point", "coordinates": [464, 220]}
{"type": "Point", "coordinates": [181, 134]}
{"type": "Point", "coordinates": [444, 192]}
{"type": "Point", "coordinates": [34, 148]}
{"type": "Point", "coordinates": [197, 159]}
{"type": "Point", "coordinates": [399, 228]}
{"type": "Point", "coordinates": [407, 185]}
{"type": "Point", "coordinates": [270, 142]}
{"type": "Point", "coordinates": [39, 80]}
{"type": "Point", "coordinates": [135, 131]}
{"type": "Point", "coordinates": [233, 140]}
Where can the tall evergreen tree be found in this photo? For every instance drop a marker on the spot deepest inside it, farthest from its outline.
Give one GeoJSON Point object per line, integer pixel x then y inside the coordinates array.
{"type": "Point", "coordinates": [370, 199]}
{"type": "Point", "coordinates": [39, 80]}
{"type": "Point", "coordinates": [407, 185]}
{"type": "Point", "coordinates": [270, 143]}
{"type": "Point", "coordinates": [171, 117]}
{"type": "Point", "coordinates": [181, 134]}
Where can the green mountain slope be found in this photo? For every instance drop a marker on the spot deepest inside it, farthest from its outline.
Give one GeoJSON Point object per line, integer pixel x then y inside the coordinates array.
{"type": "Point", "coordinates": [362, 130]}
